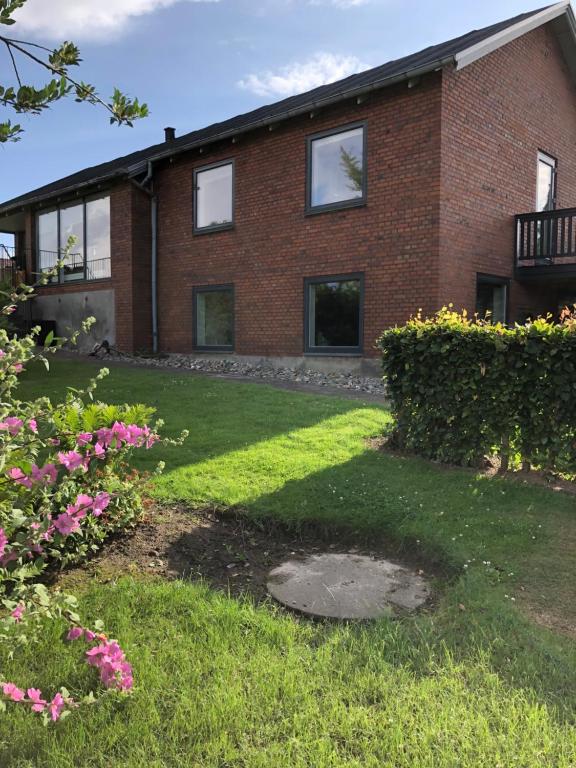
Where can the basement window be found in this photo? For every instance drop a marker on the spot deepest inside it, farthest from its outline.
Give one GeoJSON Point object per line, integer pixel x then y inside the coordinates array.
{"type": "Point", "coordinates": [492, 298]}
{"type": "Point", "coordinates": [334, 314]}
{"type": "Point", "coordinates": [214, 197]}
{"type": "Point", "coordinates": [336, 169]}
{"type": "Point", "coordinates": [214, 318]}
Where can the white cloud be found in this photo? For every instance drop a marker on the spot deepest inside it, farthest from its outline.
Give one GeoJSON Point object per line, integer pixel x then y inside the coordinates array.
{"type": "Point", "coordinates": [298, 77]}
{"type": "Point", "coordinates": [60, 19]}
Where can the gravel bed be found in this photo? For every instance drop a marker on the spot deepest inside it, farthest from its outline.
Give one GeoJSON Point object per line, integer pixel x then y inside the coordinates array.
{"type": "Point", "coordinates": [230, 367]}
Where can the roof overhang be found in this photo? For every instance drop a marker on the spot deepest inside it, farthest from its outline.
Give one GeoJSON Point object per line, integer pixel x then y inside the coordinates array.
{"type": "Point", "coordinates": [553, 12]}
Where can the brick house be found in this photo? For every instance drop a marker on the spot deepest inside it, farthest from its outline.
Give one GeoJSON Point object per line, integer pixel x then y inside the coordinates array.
{"type": "Point", "coordinates": [303, 228]}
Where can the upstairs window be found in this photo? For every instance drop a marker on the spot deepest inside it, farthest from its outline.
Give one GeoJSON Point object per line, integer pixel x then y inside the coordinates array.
{"type": "Point", "coordinates": [336, 169]}
{"type": "Point", "coordinates": [89, 223]}
{"type": "Point", "coordinates": [546, 183]}
{"type": "Point", "coordinates": [333, 313]}
{"type": "Point", "coordinates": [214, 197]}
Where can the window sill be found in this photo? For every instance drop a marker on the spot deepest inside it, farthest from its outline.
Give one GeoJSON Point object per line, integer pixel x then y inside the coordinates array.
{"type": "Point", "coordinates": [223, 350]}
{"type": "Point", "coordinates": [334, 352]}
{"type": "Point", "coordinates": [334, 207]}
{"type": "Point", "coordinates": [211, 230]}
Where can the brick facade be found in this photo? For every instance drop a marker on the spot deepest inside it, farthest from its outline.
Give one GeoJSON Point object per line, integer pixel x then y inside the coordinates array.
{"type": "Point", "coordinates": [450, 160]}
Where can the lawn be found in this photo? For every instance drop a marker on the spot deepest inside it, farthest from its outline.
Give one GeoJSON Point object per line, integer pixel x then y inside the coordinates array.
{"type": "Point", "coordinates": [223, 683]}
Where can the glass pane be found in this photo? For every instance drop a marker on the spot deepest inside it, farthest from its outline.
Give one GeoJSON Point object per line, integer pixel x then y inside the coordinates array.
{"type": "Point", "coordinates": [98, 238]}
{"type": "Point", "coordinates": [47, 240]}
{"type": "Point", "coordinates": [491, 298]}
{"type": "Point", "coordinates": [72, 225]}
{"type": "Point", "coordinates": [214, 196]}
{"type": "Point", "coordinates": [335, 314]}
{"type": "Point", "coordinates": [337, 168]}
{"type": "Point", "coordinates": [545, 192]}
{"type": "Point", "coordinates": [215, 318]}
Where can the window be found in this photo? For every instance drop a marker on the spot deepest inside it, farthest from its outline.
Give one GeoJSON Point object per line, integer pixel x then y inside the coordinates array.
{"type": "Point", "coordinates": [336, 169]}
{"type": "Point", "coordinates": [214, 197]}
{"type": "Point", "coordinates": [333, 314]}
{"type": "Point", "coordinates": [492, 298]}
{"type": "Point", "coordinates": [89, 223]}
{"type": "Point", "coordinates": [546, 183]}
{"type": "Point", "coordinates": [214, 317]}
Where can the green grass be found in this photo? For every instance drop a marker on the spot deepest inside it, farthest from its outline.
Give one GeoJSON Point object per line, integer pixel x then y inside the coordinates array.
{"type": "Point", "coordinates": [224, 684]}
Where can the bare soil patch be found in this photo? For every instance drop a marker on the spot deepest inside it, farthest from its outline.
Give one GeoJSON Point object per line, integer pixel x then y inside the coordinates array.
{"type": "Point", "coordinates": [226, 550]}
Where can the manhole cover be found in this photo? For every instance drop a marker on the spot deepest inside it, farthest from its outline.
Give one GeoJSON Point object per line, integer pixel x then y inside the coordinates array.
{"type": "Point", "coordinates": [346, 586]}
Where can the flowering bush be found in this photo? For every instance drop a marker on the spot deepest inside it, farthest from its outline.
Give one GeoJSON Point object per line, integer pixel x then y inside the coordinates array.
{"type": "Point", "coordinates": [65, 484]}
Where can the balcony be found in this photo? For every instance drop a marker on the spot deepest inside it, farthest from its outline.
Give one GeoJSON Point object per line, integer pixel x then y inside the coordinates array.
{"type": "Point", "coordinates": [75, 267]}
{"type": "Point", "coordinates": [546, 243]}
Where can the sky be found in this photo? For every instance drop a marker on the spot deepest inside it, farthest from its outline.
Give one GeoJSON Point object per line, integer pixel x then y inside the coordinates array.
{"type": "Point", "coordinates": [197, 62]}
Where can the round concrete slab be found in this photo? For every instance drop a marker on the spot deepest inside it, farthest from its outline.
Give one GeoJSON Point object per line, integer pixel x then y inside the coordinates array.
{"type": "Point", "coordinates": [347, 586]}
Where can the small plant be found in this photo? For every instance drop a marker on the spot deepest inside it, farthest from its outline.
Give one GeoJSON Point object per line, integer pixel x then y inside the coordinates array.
{"type": "Point", "coordinates": [65, 485]}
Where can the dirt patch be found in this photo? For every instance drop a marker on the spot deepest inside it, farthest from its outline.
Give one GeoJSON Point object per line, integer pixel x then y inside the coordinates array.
{"type": "Point", "coordinates": [226, 550]}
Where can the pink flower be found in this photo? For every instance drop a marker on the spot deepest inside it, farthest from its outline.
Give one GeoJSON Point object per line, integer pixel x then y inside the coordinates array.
{"type": "Point", "coordinates": [54, 441]}
{"type": "Point", "coordinates": [12, 424]}
{"type": "Point", "coordinates": [75, 633]}
{"type": "Point", "coordinates": [18, 367]}
{"type": "Point", "coordinates": [99, 451]}
{"type": "Point", "coordinates": [56, 706]}
{"type": "Point", "coordinates": [115, 671]}
{"type": "Point", "coordinates": [3, 541]}
{"type": "Point", "coordinates": [19, 477]}
{"type": "Point", "coordinates": [65, 524]}
{"type": "Point", "coordinates": [84, 438]}
{"type": "Point", "coordinates": [47, 474]}
{"type": "Point", "coordinates": [89, 635]}
{"type": "Point", "coordinates": [35, 696]}
{"type": "Point", "coordinates": [71, 460]}
{"type": "Point", "coordinates": [32, 424]}
{"type": "Point", "coordinates": [18, 612]}
{"type": "Point", "coordinates": [101, 501]}
{"type": "Point", "coordinates": [12, 692]}
{"type": "Point", "coordinates": [81, 507]}
{"type": "Point", "coordinates": [2, 353]}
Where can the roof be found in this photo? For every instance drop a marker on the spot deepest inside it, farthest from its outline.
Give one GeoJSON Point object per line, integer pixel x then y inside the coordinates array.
{"type": "Point", "coordinates": [458, 52]}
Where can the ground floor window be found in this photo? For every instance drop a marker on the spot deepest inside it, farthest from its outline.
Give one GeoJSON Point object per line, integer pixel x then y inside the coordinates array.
{"type": "Point", "coordinates": [492, 298]}
{"type": "Point", "coordinates": [333, 313]}
{"type": "Point", "coordinates": [214, 317]}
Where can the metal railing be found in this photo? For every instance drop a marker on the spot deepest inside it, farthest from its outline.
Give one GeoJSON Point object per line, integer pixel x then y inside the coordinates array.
{"type": "Point", "coordinates": [75, 266]}
{"type": "Point", "coordinates": [546, 238]}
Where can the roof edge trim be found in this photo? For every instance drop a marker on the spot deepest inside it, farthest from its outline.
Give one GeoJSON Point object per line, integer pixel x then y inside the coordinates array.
{"type": "Point", "coordinates": [475, 52]}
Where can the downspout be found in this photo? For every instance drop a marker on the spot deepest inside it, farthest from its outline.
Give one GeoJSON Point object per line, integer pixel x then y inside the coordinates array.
{"type": "Point", "coordinates": [148, 181]}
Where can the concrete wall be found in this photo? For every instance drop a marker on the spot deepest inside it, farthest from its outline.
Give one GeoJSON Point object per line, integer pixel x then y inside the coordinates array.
{"type": "Point", "coordinates": [70, 309]}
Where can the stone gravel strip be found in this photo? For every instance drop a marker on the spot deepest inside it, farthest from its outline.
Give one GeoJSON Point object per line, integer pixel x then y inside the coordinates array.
{"type": "Point", "coordinates": [236, 368]}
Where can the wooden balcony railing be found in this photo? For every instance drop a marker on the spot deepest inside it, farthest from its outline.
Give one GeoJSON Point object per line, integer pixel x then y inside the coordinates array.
{"type": "Point", "coordinates": [546, 238]}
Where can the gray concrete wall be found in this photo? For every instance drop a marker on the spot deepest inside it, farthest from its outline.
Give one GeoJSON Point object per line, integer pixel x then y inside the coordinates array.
{"type": "Point", "coordinates": [70, 309]}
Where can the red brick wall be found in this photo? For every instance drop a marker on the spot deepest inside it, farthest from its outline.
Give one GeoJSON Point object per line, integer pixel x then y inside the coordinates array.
{"type": "Point", "coordinates": [274, 245]}
{"type": "Point", "coordinates": [496, 114]}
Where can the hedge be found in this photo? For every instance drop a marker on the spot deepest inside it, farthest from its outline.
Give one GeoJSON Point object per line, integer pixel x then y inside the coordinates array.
{"type": "Point", "coordinates": [462, 388]}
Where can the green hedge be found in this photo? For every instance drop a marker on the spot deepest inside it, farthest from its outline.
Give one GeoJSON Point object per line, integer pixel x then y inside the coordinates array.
{"type": "Point", "coordinates": [462, 388]}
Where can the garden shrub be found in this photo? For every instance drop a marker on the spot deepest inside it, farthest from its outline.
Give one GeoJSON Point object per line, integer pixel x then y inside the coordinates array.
{"type": "Point", "coordinates": [65, 484]}
{"type": "Point", "coordinates": [462, 388]}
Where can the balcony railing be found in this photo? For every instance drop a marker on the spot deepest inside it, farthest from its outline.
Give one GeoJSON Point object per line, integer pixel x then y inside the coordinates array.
{"type": "Point", "coordinates": [74, 268]}
{"type": "Point", "coordinates": [546, 238]}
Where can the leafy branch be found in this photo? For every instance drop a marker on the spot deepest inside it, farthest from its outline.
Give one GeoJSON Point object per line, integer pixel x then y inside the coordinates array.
{"type": "Point", "coordinates": [26, 98]}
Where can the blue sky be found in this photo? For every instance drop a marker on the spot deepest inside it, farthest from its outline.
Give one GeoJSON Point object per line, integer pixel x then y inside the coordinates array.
{"type": "Point", "coordinates": [199, 61]}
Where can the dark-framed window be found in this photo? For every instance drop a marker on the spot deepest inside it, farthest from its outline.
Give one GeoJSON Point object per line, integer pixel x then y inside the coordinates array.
{"type": "Point", "coordinates": [88, 221]}
{"type": "Point", "coordinates": [214, 317]}
{"type": "Point", "coordinates": [214, 197]}
{"type": "Point", "coordinates": [492, 298]}
{"type": "Point", "coordinates": [547, 170]}
{"type": "Point", "coordinates": [336, 169]}
{"type": "Point", "coordinates": [334, 314]}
